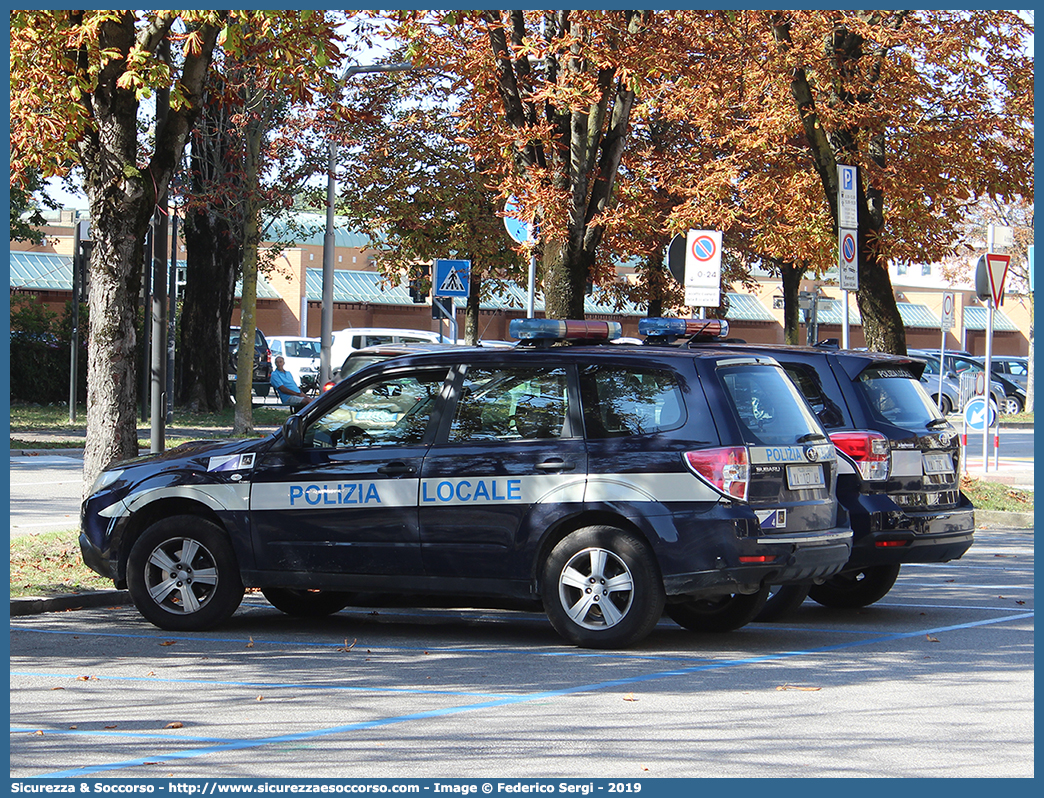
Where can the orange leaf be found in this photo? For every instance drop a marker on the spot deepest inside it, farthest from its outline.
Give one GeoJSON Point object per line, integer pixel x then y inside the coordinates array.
{"type": "Point", "coordinates": [175, 725]}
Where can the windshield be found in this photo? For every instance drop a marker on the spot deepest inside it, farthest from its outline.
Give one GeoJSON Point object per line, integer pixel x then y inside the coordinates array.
{"type": "Point", "coordinates": [769, 407]}
{"type": "Point", "coordinates": [895, 396]}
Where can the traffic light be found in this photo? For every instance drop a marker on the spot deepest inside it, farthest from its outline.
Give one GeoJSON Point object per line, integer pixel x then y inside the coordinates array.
{"type": "Point", "coordinates": [420, 285]}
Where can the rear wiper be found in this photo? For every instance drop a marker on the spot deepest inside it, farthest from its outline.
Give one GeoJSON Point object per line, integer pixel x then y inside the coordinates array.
{"type": "Point", "coordinates": [936, 422]}
{"type": "Point", "coordinates": [812, 436]}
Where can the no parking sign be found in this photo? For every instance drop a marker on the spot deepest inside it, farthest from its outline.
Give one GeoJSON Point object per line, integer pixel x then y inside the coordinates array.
{"type": "Point", "coordinates": [703, 268]}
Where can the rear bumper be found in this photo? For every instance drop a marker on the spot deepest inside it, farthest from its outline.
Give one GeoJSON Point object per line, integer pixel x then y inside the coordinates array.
{"type": "Point", "coordinates": [886, 534]}
{"type": "Point", "coordinates": [789, 558]}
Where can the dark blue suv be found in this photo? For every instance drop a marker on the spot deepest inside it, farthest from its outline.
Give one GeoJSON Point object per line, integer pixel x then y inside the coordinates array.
{"type": "Point", "coordinates": [606, 483]}
{"type": "Point", "coordinates": [899, 461]}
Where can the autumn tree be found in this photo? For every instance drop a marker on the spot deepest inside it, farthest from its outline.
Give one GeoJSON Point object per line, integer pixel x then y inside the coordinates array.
{"type": "Point", "coordinates": [933, 107]}
{"type": "Point", "coordinates": [78, 78]}
{"type": "Point", "coordinates": [417, 191]}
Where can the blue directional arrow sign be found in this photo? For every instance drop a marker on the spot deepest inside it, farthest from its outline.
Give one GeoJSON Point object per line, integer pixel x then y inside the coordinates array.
{"type": "Point", "coordinates": [452, 277]}
{"type": "Point", "coordinates": [978, 414]}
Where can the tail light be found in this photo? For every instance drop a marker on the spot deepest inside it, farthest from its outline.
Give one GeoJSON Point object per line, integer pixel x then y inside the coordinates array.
{"type": "Point", "coordinates": [327, 386]}
{"type": "Point", "coordinates": [727, 469]}
{"type": "Point", "coordinates": [870, 451]}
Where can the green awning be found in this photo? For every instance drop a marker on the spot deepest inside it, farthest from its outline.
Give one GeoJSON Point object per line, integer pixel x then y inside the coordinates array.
{"type": "Point", "coordinates": [977, 318]}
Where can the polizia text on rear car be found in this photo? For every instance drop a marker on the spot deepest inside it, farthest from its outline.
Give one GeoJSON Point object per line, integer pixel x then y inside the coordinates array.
{"type": "Point", "coordinates": [605, 484]}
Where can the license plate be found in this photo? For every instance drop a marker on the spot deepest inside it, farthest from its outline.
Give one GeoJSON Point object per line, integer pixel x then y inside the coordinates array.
{"type": "Point", "coordinates": [232, 377]}
{"type": "Point", "coordinates": [805, 476]}
{"type": "Point", "coordinates": [938, 463]}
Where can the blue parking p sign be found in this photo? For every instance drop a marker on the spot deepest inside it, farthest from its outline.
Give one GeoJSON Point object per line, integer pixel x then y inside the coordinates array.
{"type": "Point", "coordinates": [452, 277]}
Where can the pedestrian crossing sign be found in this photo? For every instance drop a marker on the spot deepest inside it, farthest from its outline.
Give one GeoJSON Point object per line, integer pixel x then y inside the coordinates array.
{"type": "Point", "coordinates": [452, 277]}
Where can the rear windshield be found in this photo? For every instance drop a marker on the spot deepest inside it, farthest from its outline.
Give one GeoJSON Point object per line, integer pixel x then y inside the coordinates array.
{"type": "Point", "coordinates": [769, 408]}
{"type": "Point", "coordinates": [302, 349]}
{"type": "Point", "coordinates": [895, 396]}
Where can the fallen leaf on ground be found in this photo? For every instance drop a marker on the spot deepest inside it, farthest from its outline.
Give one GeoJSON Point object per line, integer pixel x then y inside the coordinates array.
{"type": "Point", "coordinates": [168, 642]}
{"type": "Point", "coordinates": [175, 725]}
{"type": "Point", "coordinates": [113, 726]}
{"type": "Point", "coordinates": [57, 688]}
{"type": "Point", "coordinates": [932, 639]}
{"type": "Point", "coordinates": [347, 647]}
{"type": "Point", "coordinates": [630, 697]}
{"type": "Point", "coordinates": [251, 643]}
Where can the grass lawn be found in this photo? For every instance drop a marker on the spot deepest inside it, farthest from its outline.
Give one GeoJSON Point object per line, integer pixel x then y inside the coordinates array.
{"type": "Point", "coordinates": [49, 564]}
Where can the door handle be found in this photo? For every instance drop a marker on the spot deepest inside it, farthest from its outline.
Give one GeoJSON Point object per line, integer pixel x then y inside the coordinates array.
{"type": "Point", "coordinates": [555, 465]}
{"type": "Point", "coordinates": [395, 469]}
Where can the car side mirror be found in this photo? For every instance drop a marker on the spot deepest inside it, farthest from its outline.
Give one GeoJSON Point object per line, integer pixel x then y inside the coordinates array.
{"type": "Point", "coordinates": [293, 432]}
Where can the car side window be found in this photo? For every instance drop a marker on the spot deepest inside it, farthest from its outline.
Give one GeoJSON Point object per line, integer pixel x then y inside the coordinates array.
{"type": "Point", "coordinates": [807, 381]}
{"type": "Point", "coordinates": [623, 402]}
{"type": "Point", "coordinates": [503, 404]}
{"type": "Point", "coordinates": [1017, 368]}
{"type": "Point", "coordinates": [394, 411]}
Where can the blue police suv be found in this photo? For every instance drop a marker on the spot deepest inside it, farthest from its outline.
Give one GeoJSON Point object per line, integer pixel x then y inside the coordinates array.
{"type": "Point", "coordinates": [606, 483]}
{"type": "Point", "coordinates": [898, 461]}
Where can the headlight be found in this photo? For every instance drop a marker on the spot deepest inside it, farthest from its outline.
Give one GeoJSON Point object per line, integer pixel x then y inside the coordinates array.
{"type": "Point", "coordinates": [105, 479]}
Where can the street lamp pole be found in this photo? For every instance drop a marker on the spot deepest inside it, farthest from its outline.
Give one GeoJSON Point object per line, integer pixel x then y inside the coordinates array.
{"type": "Point", "coordinates": [326, 334]}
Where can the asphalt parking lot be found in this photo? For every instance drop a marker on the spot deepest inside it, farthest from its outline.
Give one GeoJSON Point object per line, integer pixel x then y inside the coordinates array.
{"type": "Point", "coordinates": [936, 680]}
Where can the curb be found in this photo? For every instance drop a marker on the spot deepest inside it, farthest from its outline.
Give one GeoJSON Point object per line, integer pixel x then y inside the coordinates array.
{"type": "Point", "coordinates": [76, 601]}
{"type": "Point", "coordinates": [999, 518]}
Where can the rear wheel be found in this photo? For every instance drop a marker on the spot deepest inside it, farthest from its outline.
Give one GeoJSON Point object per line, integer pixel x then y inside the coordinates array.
{"type": "Point", "coordinates": [721, 614]}
{"type": "Point", "coordinates": [601, 588]}
{"type": "Point", "coordinates": [1012, 405]}
{"type": "Point", "coordinates": [944, 404]}
{"type": "Point", "coordinates": [783, 600]}
{"type": "Point", "coordinates": [182, 574]}
{"type": "Point", "coordinates": [306, 603]}
{"type": "Point", "coordinates": [856, 588]}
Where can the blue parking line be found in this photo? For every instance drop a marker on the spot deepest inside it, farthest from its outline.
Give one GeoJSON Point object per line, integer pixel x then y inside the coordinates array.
{"type": "Point", "coordinates": [522, 699]}
{"type": "Point", "coordinates": [268, 685]}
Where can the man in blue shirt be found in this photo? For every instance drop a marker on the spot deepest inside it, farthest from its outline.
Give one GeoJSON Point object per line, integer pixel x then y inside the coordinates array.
{"type": "Point", "coordinates": [286, 387]}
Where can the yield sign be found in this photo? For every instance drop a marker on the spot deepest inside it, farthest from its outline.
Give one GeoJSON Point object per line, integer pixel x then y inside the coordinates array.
{"type": "Point", "coordinates": [997, 268]}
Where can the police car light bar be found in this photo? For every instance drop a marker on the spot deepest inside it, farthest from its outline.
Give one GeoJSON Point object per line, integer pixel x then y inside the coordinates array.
{"type": "Point", "coordinates": [676, 328]}
{"type": "Point", "coordinates": [554, 329]}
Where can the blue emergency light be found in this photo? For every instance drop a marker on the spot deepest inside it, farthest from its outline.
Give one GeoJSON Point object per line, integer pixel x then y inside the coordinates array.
{"type": "Point", "coordinates": [677, 328]}
{"type": "Point", "coordinates": [562, 330]}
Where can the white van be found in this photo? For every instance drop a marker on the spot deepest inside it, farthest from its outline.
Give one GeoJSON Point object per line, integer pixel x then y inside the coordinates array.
{"type": "Point", "coordinates": [348, 340]}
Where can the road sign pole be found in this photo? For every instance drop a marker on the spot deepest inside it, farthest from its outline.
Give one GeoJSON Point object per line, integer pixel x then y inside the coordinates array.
{"type": "Point", "coordinates": [844, 323]}
{"type": "Point", "coordinates": [988, 389]}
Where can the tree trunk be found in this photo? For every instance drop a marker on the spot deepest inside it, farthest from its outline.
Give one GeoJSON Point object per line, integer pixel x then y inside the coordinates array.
{"type": "Point", "coordinates": [244, 421]}
{"type": "Point", "coordinates": [122, 197]}
{"type": "Point", "coordinates": [213, 256]}
{"type": "Point", "coordinates": [791, 275]}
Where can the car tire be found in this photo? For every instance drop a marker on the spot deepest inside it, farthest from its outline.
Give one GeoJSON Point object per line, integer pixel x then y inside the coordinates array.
{"type": "Point", "coordinates": [622, 566]}
{"type": "Point", "coordinates": [306, 603]}
{"type": "Point", "coordinates": [720, 614]}
{"type": "Point", "coordinates": [944, 404]}
{"type": "Point", "coordinates": [1012, 405]}
{"type": "Point", "coordinates": [182, 574]}
{"type": "Point", "coordinates": [856, 588]}
{"type": "Point", "coordinates": [783, 600]}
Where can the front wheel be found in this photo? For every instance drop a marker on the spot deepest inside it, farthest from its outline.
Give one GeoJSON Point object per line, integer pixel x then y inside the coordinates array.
{"type": "Point", "coordinates": [856, 588]}
{"type": "Point", "coordinates": [601, 588]}
{"type": "Point", "coordinates": [944, 404]}
{"type": "Point", "coordinates": [721, 614]}
{"type": "Point", "coordinates": [306, 603]}
{"type": "Point", "coordinates": [182, 574]}
{"type": "Point", "coordinates": [783, 600]}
